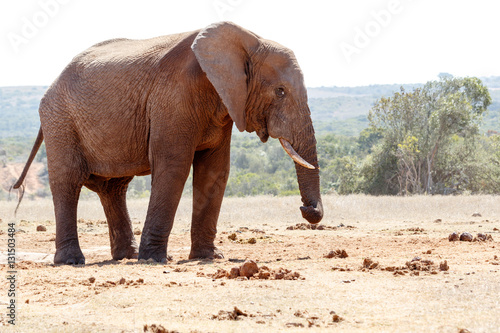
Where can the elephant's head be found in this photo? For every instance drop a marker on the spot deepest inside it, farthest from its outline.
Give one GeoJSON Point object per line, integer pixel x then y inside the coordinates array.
{"type": "Point", "coordinates": [262, 87]}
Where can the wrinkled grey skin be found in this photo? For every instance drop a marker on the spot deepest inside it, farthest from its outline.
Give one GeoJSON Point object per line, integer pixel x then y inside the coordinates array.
{"type": "Point", "coordinates": [126, 108]}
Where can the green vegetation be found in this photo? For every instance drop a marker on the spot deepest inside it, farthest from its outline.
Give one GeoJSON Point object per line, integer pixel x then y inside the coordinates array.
{"type": "Point", "coordinates": [441, 137]}
{"type": "Point", "coordinates": [430, 142]}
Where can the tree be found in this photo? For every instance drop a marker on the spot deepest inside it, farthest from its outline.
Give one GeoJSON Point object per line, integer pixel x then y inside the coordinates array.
{"type": "Point", "coordinates": [417, 125]}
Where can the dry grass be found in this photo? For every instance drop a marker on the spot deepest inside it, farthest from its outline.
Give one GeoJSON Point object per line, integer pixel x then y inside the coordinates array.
{"type": "Point", "coordinates": [181, 296]}
{"type": "Point", "coordinates": [264, 208]}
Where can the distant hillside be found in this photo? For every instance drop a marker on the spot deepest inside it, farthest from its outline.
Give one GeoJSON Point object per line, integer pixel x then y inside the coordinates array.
{"type": "Point", "coordinates": [343, 110]}
{"type": "Point", "coordinates": [19, 110]}
{"type": "Point", "coordinates": [337, 105]}
{"type": "Point", "coordinates": [377, 90]}
{"type": "Point", "coordinates": [340, 110]}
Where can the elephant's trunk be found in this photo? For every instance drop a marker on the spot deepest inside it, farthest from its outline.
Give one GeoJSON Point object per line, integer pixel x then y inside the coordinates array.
{"type": "Point", "coordinates": [308, 178]}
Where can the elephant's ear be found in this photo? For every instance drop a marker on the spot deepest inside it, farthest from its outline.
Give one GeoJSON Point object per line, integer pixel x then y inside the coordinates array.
{"type": "Point", "coordinates": [222, 50]}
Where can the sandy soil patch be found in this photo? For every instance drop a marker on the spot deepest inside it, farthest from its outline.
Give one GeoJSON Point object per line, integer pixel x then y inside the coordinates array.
{"type": "Point", "coordinates": [378, 264]}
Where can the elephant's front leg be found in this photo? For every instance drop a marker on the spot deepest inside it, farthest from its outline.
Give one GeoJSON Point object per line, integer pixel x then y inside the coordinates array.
{"type": "Point", "coordinates": [210, 174]}
{"type": "Point", "coordinates": [168, 178]}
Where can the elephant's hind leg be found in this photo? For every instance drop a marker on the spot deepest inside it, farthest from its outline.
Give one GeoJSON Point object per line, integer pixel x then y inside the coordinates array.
{"type": "Point", "coordinates": [112, 193]}
{"type": "Point", "coordinates": [65, 186]}
{"type": "Point", "coordinates": [65, 199]}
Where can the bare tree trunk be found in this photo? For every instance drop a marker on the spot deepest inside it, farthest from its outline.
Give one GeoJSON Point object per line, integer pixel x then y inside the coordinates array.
{"type": "Point", "coordinates": [429, 178]}
{"type": "Point", "coordinates": [430, 164]}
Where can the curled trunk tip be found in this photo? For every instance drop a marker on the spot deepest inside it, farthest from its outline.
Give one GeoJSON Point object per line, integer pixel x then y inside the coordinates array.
{"type": "Point", "coordinates": [313, 214]}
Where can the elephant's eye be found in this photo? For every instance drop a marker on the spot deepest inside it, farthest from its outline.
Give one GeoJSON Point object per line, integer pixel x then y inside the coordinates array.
{"type": "Point", "coordinates": [280, 92]}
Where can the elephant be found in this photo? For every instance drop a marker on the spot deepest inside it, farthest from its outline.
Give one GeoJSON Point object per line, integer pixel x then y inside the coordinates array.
{"type": "Point", "coordinates": [159, 106]}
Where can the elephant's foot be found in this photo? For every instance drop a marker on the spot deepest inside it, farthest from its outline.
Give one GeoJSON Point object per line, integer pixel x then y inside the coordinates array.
{"type": "Point", "coordinates": [206, 253]}
{"type": "Point", "coordinates": [123, 250]}
{"type": "Point", "coordinates": [70, 255]}
{"type": "Point", "coordinates": [158, 254]}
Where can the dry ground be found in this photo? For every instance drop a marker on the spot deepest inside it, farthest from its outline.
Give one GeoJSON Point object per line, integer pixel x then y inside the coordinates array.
{"type": "Point", "coordinates": [330, 294]}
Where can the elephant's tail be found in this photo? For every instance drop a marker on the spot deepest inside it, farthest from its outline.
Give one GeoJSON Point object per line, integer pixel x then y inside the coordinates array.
{"type": "Point", "coordinates": [19, 183]}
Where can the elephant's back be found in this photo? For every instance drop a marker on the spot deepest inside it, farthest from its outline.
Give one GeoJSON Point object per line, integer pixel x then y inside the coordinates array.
{"type": "Point", "coordinates": [130, 51]}
{"type": "Point", "coordinates": [119, 69]}
{"type": "Point", "coordinates": [116, 71]}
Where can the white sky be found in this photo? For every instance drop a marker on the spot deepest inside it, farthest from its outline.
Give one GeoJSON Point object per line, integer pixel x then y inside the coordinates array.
{"type": "Point", "coordinates": [412, 41]}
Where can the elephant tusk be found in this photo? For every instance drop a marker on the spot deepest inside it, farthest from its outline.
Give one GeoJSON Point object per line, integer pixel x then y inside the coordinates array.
{"type": "Point", "coordinates": [294, 155]}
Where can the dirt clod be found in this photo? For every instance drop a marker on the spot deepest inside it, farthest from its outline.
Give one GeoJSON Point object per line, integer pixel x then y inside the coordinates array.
{"type": "Point", "coordinates": [341, 269]}
{"type": "Point", "coordinates": [137, 231]}
{"type": "Point", "coordinates": [337, 319]}
{"type": "Point", "coordinates": [309, 226]}
{"type": "Point", "coordinates": [41, 228]}
{"type": "Point", "coordinates": [234, 273]}
{"type": "Point", "coordinates": [418, 264]}
{"type": "Point", "coordinates": [476, 214]}
{"type": "Point", "coordinates": [453, 237]}
{"type": "Point", "coordinates": [483, 238]}
{"type": "Point", "coordinates": [369, 264]}
{"type": "Point", "coordinates": [232, 237]}
{"type": "Point", "coordinates": [413, 267]}
{"type": "Point", "coordinates": [300, 314]}
{"type": "Point", "coordinates": [229, 315]}
{"type": "Point", "coordinates": [284, 274]}
{"type": "Point", "coordinates": [312, 321]}
{"type": "Point", "coordinates": [415, 230]}
{"type": "Point", "coordinates": [336, 254]}
{"type": "Point", "coordinates": [91, 279]}
{"type": "Point", "coordinates": [444, 266]}
{"type": "Point", "coordinates": [221, 273]}
{"type": "Point", "coordinates": [466, 237]}
{"type": "Point", "coordinates": [180, 269]}
{"type": "Point", "coordinates": [155, 329]}
{"type": "Point", "coordinates": [249, 268]}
